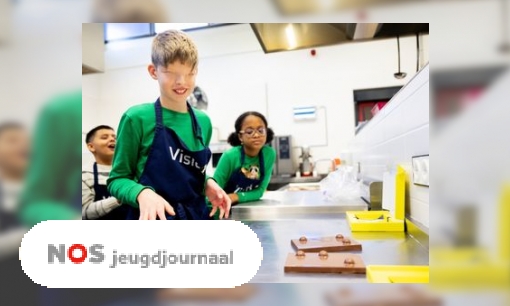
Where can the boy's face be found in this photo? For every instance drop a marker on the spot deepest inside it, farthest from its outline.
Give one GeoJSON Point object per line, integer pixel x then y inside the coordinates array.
{"type": "Point", "coordinates": [176, 80]}
{"type": "Point", "coordinates": [103, 143]}
{"type": "Point", "coordinates": [14, 149]}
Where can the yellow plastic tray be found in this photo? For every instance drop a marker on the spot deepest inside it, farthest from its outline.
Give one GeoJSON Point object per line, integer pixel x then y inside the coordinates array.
{"type": "Point", "coordinates": [469, 266]}
{"type": "Point", "coordinates": [384, 221]}
{"type": "Point", "coordinates": [373, 221]}
{"type": "Point", "coordinates": [378, 235]}
{"type": "Point", "coordinates": [398, 274]}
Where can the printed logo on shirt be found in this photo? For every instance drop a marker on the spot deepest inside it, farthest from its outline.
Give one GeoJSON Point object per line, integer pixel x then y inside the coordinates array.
{"type": "Point", "coordinates": [252, 172]}
{"type": "Point", "coordinates": [185, 159]}
{"type": "Point", "coordinates": [245, 189]}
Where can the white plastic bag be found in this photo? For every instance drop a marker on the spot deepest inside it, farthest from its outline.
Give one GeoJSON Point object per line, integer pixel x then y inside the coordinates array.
{"type": "Point", "coordinates": [341, 185]}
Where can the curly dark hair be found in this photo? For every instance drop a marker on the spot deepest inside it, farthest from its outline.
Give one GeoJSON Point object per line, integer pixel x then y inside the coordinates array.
{"type": "Point", "coordinates": [233, 138]}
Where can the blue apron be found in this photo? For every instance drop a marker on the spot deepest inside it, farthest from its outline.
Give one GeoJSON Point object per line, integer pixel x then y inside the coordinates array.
{"type": "Point", "coordinates": [101, 193]}
{"type": "Point", "coordinates": [238, 182]}
{"type": "Point", "coordinates": [176, 173]}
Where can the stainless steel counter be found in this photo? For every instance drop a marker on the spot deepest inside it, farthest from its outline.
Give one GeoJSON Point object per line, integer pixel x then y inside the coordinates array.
{"type": "Point", "coordinates": [278, 182]}
{"type": "Point", "coordinates": [280, 205]}
{"type": "Point", "coordinates": [378, 248]}
{"type": "Point", "coordinates": [293, 179]}
{"type": "Point", "coordinates": [284, 215]}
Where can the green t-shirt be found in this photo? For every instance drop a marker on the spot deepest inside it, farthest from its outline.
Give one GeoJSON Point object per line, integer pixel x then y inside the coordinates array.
{"type": "Point", "coordinates": [134, 140]}
{"type": "Point", "coordinates": [230, 161]}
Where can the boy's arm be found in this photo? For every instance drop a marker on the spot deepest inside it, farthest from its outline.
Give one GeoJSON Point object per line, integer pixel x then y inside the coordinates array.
{"type": "Point", "coordinates": [121, 182]}
{"type": "Point", "coordinates": [254, 195]}
{"type": "Point", "coordinates": [94, 210]}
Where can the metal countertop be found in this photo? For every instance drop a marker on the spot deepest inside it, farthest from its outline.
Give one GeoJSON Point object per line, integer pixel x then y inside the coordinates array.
{"type": "Point", "coordinates": [280, 205]}
{"type": "Point", "coordinates": [282, 216]}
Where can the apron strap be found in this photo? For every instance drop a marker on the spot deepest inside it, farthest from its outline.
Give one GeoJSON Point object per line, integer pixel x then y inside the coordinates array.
{"type": "Point", "coordinates": [262, 166]}
{"type": "Point", "coordinates": [96, 180]}
{"type": "Point", "coordinates": [242, 156]}
{"type": "Point", "coordinates": [159, 114]}
{"type": "Point", "coordinates": [197, 130]}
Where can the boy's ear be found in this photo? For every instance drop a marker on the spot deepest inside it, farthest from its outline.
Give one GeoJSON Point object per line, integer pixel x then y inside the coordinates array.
{"type": "Point", "coordinates": [152, 71]}
{"type": "Point", "coordinates": [91, 148]}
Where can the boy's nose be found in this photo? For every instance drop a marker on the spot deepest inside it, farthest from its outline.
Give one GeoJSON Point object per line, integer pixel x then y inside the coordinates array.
{"type": "Point", "coordinates": [180, 79]}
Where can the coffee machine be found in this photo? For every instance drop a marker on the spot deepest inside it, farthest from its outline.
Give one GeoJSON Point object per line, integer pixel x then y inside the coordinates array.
{"type": "Point", "coordinates": [284, 162]}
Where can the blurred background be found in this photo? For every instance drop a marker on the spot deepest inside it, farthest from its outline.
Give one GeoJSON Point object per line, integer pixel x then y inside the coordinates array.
{"type": "Point", "coordinates": [469, 205]}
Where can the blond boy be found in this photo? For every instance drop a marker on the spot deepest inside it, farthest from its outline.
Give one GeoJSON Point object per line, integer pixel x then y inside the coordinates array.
{"type": "Point", "coordinates": [162, 147]}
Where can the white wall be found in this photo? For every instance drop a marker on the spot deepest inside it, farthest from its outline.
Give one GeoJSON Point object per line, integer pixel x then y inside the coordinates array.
{"type": "Point", "coordinates": [90, 110]}
{"type": "Point", "coordinates": [237, 76]}
{"type": "Point", "coordinates": [396, 134]}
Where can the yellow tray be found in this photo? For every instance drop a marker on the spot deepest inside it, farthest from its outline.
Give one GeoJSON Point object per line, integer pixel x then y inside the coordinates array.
{"type": "Point", "coordinates": [398, 274]}
{"type": "Point", "coordinates": [389, 220]}
{"type": "Point", "coordinates": [378, 235]}
{"type": "Point", "coordinates": [373, 221]}
{"type": "Point", "coordinates": [469, 266]}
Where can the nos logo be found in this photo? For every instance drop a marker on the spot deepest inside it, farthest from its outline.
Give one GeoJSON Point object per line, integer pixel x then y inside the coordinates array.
{"type": "Point", "coordinates": [77, 253]}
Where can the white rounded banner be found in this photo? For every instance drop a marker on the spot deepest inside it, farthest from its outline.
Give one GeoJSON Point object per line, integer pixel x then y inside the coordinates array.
{"type": "Point", "coordinates": [140, 254]}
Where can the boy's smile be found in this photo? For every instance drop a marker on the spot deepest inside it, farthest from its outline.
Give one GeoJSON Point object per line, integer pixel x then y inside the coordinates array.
{"type": "Point", "coordinates": [180, 91]}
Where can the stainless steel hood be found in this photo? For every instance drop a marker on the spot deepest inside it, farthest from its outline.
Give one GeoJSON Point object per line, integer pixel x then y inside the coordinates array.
{"type": "Point", "coordinates": [277, 37]}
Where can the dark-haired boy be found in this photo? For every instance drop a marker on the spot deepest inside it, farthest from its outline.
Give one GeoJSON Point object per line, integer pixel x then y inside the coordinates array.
{"type": "Point", "coordinates": [97, 203]}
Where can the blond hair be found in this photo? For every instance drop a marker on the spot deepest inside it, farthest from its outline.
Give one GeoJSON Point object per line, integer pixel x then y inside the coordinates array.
{"type": "Point", "coordinates": [173, 45]}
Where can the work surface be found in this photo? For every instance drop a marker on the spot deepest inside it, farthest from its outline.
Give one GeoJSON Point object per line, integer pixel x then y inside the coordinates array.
{"type": "Point", "coordinates": [279, 205]}
{"type": "Point", "coordinates": [283, 216]}
{"type": "Point", "coordinates": [378, 248]}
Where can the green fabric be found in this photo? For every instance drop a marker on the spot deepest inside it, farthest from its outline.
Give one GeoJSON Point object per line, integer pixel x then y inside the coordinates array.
{"type": "Point", "coordinates": [230, 161]}
{"type": "Point", "coordinates": [53, 182]}
{"type": "Point", "coordinates": [135, 135]}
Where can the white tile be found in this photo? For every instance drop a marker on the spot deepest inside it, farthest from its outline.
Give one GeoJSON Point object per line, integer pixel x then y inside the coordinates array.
{"type": "Point", "coordinates": [397, 150]}
{"type": "Point", "coordinates": [419, 211]}
{"type": "Point", "coordinates": [417, 142]}
{"type": "Point", "coordinates": [416, 109]}
{"type": "Point", "coordinates": [393, 123]}
{"type": "Point", "coordinates": [420, 193]}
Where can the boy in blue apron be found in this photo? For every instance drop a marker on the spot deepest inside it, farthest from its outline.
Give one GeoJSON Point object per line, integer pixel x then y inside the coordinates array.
{"type": "Point", "coordinates": [162, 147]}
{"type": "Point", "coordinates": [97, 203]}
{"type": "Point", "coordinates": [244, 171]}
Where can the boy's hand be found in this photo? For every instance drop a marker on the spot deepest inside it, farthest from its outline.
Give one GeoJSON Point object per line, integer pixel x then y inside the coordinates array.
{"type": "Point", "coordinates": [153, 205]}
{"type": "Point", "coordinates": [218, 198]}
